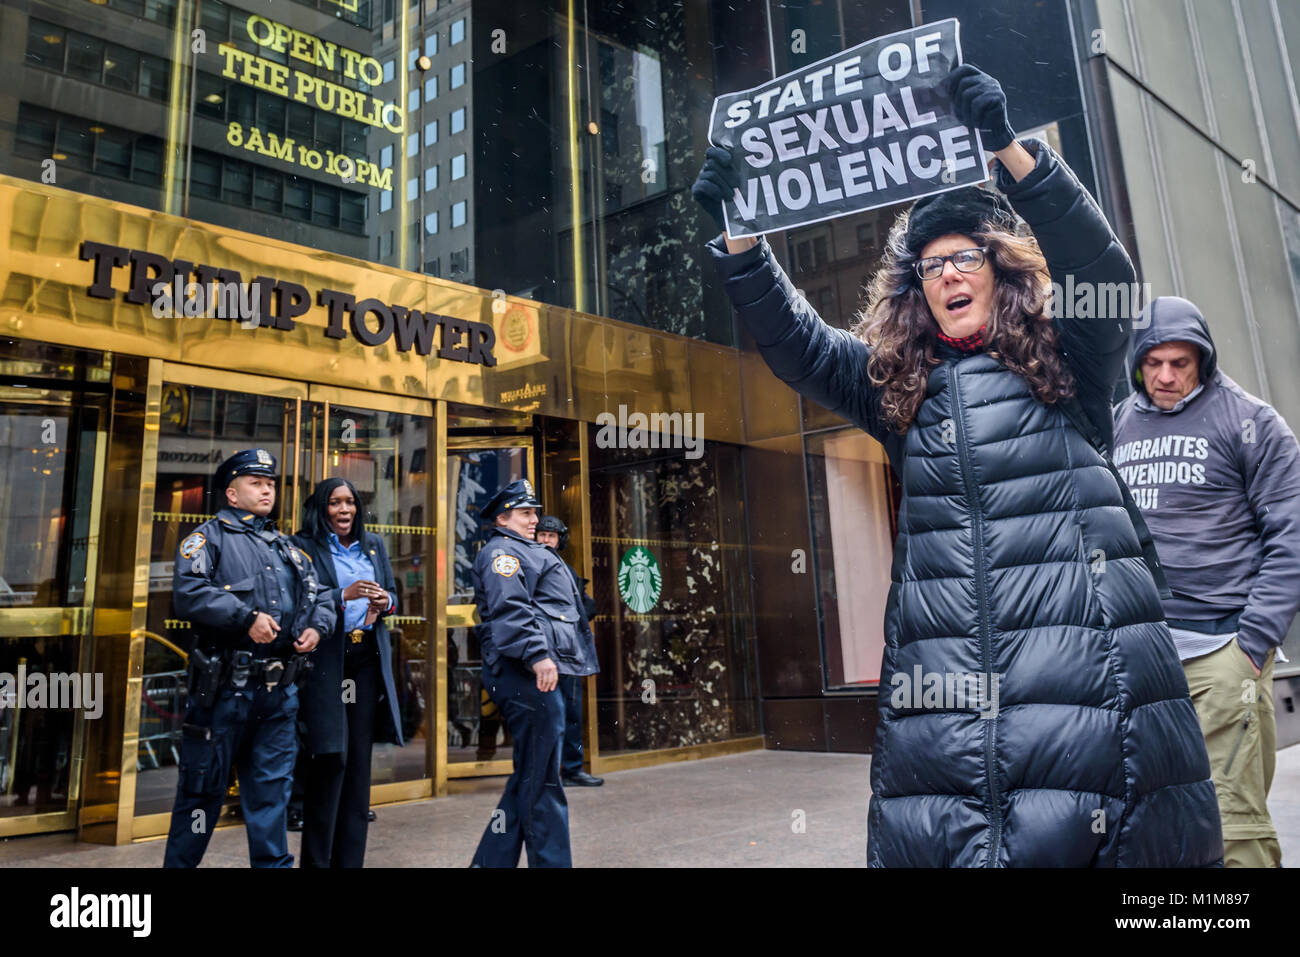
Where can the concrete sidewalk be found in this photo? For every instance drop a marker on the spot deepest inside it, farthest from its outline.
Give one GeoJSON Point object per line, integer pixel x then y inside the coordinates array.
{"type": "Point", "coordinates": [734, 811]}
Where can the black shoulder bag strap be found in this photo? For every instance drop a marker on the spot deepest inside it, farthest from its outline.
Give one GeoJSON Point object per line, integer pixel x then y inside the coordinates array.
{"type": "Point", "coordinates": [1073, 410]}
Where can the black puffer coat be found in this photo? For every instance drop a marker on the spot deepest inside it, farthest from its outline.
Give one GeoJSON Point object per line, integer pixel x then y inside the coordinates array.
{"type": "Point", "coordinates": [1016, 560]}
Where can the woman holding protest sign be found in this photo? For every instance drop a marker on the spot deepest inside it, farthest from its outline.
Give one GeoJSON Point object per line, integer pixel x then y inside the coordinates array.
{"type": "Point", "coordinates": [1022, 574]}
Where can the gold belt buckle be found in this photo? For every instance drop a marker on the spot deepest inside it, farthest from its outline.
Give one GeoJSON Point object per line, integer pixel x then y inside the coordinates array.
{"type": "Point", "coordinates": [356, 634]}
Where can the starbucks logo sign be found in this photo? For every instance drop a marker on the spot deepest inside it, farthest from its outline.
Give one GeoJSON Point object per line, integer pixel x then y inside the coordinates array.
{"type": "Point", "coordinates": [639, 579]}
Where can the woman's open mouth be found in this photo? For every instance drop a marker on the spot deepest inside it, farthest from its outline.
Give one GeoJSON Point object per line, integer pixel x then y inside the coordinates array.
{"type": "Point", "coordinates": [958, 304]}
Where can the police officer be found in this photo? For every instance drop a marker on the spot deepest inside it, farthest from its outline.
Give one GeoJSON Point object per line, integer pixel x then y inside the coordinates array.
{"type": "Point", "coordinates": [554, 534]}
{"type": "Point", "coordinates": [252, 600]}
{"type": "Point", "coordinates": [533, 631]}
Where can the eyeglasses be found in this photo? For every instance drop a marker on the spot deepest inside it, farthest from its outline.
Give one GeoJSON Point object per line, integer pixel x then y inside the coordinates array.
{"type": "Point", "coordinates": [966, 260]}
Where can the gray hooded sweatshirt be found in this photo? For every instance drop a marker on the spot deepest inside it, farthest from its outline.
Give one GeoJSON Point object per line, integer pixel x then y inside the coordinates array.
{"type": "Point", "coordinates": [1217, 478]}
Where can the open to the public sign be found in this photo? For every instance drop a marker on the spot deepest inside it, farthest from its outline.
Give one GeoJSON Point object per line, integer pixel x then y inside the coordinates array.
{"type": "Point", "coordinates": [865, 128]}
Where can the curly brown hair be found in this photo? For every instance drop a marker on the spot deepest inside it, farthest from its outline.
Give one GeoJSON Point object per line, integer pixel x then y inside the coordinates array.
{"type": "Point", "coordinates": [903, 334]}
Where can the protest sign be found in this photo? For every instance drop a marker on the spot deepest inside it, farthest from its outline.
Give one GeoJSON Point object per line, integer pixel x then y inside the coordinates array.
{"type": "Point", "coordinates": [864, 128]}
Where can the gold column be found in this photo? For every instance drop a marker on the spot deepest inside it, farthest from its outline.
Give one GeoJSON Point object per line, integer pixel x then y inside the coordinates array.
{"type": "Point", "coordinates": [439, 562]}
{"type": "Point", "coordinates": [121, 602]}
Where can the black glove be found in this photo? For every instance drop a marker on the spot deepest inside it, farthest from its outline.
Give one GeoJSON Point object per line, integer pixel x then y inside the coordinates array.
{"type": "Point", "coordinates": [980, 104]}
{"type": "Point", "coordinates": [717, 181]}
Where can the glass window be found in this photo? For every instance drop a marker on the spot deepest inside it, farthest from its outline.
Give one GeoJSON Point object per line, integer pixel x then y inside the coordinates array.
{"type": "Point", "coordinates": [458, 120]}
{"type": "Point", "coordinates": [272, 114]}
{"type": "Point", "coordinates": [412, 144]}
{"type": "Point", "coordinates": [148, 160]}
{"type": "Point", "coordinates": [113, 153]}
{"type": "Point", "coordinates": [34, 133]}
{"type": "Point", "coordinates": [431, 45]}
{"type": "Point", "coordinates": [45, 44]}
{"type": "Point", "coordinates": [325, 205]}
{"type": "Point", "coordinates": [76, 143]}
{"type": "Point", "coordinates": [430, 132]}
{"type": "Point", "coordinates": [302, 122]}
{"type": "Point", "coordinates": [458, 214]}
{"type": "Point", "coordinates": [268, 191]}
{"type": "Point", "coordinates": [85, 57]}
{"type": "Point", "coordinates": [385, 200]}
{"type": "Point", "coordinates": [160, 11]}
{"type": "Point", "coordinates": [412, 57]}
{"type": "Point", "coordinates": [214, 17]}
{"type": "Point", "coordinates": [457, 31]}
{"type": "Point", "coordinates": [329, 129]}
{"type": "Point", "coordinates": [205, 175]}
{"type": "Point", "coordinates": [155, 77]}
{"type": "Point", "coordinates": [413, 99]}
{"type": "Point", "coordinates": [297, 198]}
{"type": "Point", "coordinates": [209, 96]}
{"type": "Point", "coordinates": [412, 188]}
{"type": "Point", "coordinates": [386, 157]}
{"type": "Point", "coordinates": [431, 179]}
{"type": "Point", "coordinates": [458, 76]}
{"type": "Point", "coordinates": [431, 224]}
{"type": "Point", "coordinates": [120, 68]}
{"type": "Point", "coordinates": [237, 182]}
{"type": "Point", "coordinates": [431, 88]}
{"type": "Point", "coordinates": [352, 212]}
{"type": "Point", "coordinates": [388, 71]}
{"type": "Point", "coordinates": [457, 166]}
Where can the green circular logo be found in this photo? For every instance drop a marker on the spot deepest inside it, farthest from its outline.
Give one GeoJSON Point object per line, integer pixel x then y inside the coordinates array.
{"type": "Point", "coordinates": [639, 579]}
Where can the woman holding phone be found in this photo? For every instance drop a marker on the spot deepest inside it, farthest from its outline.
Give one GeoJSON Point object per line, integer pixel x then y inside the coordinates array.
{"type": "Point", "coordinates": [349, 701]}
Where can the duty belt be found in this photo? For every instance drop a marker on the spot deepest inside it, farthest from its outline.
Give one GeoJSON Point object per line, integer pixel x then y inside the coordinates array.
{"type": "Point", "coordinates": [272, 672]}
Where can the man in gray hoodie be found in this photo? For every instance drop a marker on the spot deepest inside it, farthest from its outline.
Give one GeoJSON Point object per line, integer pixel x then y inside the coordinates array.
{"type": "Point", "coordinates": [1216, 473]}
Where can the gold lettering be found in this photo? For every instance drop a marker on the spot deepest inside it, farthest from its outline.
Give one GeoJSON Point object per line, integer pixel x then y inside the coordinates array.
{"type": "Point", "coordinates": [280, 149]}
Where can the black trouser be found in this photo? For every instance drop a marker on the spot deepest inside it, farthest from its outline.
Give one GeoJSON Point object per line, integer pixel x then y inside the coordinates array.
{"type": "Point", "coordinates": [336, 793]}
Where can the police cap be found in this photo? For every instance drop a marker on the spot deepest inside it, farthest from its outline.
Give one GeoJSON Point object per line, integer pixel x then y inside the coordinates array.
{"type": "Point", "coordinates": [247, 462]}
{"type": "Point", "coordinates": [518, 494]}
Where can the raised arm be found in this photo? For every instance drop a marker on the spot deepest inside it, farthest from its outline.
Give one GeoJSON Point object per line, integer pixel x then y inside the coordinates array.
{"type": "Point", "coordinates": [825, 364]}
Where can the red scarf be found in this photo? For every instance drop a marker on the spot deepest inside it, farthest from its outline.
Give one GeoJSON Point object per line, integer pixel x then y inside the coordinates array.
{"type": "Point", "coordinates": [972, 343]}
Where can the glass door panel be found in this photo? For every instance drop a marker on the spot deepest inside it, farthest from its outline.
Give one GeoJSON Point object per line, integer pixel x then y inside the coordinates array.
{"type": "Point", "coordinates": [200, 427]}
{"type": "Point", "coordinates": [475, 472]}
{"type": "Point", "coordinates": [386, 456]}
{"type": "Point", "coordinates": [53, 413]}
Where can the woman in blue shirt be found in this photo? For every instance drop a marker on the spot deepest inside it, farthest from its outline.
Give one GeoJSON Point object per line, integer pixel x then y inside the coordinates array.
{"type": "Point", "coordinates": [349, 701]}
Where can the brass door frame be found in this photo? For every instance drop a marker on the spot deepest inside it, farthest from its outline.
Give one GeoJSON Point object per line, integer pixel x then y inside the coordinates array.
{"type": "Point", "coordinates": [464, 615]}
{"type": "Point", "coordinates": [131, 827]}
{"type": "Point", "coordinates": [55, 621]}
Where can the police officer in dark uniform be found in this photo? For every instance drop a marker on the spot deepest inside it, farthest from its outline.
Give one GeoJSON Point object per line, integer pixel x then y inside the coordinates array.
{"type": "Point", "coordinates": [252, 600]}
{"type": "Point", "coordinates": [533, 631]}
{"type": "Point", "coordinates": [554, 534]}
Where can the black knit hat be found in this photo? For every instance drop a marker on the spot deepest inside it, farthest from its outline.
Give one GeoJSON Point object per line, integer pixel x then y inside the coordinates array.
{"type": "Point", "coordinates": [963, 211]}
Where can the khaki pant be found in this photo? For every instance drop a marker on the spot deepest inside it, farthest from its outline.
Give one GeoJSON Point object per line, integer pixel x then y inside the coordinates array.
{"type": "Point", "coordinates": [1235, 709]}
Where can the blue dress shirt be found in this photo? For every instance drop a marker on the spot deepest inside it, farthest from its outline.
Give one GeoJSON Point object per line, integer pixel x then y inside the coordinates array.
{"type": "Point", "coordinates": [352, 564]}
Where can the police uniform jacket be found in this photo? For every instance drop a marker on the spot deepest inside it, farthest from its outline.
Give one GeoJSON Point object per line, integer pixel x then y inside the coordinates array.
{"type": "Point", "coordinates": [529, 606]}
{"type": "Point", "coordinates": [226, 571]}
{"type": "Point", "coordinates": [322, 702]}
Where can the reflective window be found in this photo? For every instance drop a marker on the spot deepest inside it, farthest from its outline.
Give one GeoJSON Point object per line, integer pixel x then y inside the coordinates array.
{"type": "Point", "coordinates": [431, 45]}
{"type": "Point", "coordinates": [431, 179]}
{"type": "Point", "coordinates": [457, 31]}
{"type": "Point", "coordinates": [431, 88]}
{"type": "Point", "coordinates": [458, 120]}
{"type": "Point", "coordinates": [431, 224]}
{"type": "Point", "coordinates": [458, 166]}
{"type": "Point", "coordinates": [412, 188]}
{"type": "Point", "coordinates": [458, 76]}
{"type": "Point", "coordinates": [458, 214]}
{"type": "Point", "coordinates": [430, 132]}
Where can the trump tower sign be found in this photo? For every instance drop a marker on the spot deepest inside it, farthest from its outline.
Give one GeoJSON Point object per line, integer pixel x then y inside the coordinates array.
{"type": "Point", "coordinates": [867, 127]}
